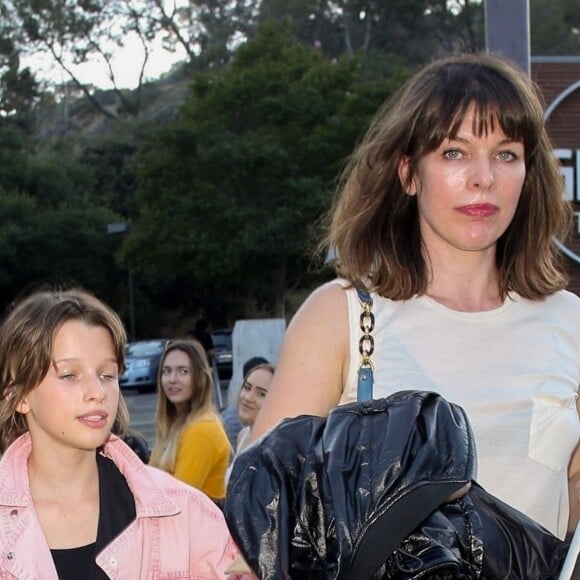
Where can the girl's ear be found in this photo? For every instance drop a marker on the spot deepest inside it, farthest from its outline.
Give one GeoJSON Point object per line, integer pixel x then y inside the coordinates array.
{"type": "Point", "coordinates": [23, 407]}
{"type": "Point", "coordinates": [407, 180]}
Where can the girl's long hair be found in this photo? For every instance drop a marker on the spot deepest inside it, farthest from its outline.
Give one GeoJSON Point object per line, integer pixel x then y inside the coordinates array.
{"type": "Point", "coordinates": [171, 421]}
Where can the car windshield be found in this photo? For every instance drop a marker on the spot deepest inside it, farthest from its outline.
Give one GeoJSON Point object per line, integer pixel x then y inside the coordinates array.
{"type": "Point", "coordinates": [221, 340]}
{"type": "Point", "coordinates": [146, 348]}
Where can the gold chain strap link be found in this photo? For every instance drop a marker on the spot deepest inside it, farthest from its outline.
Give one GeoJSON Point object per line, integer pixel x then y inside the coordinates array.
{"type": "Point", "coordinates": [366, 344]}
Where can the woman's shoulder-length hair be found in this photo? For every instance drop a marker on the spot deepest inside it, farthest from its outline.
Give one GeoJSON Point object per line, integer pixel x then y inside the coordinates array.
{"type": "Point", "coordinates": [373, 227]}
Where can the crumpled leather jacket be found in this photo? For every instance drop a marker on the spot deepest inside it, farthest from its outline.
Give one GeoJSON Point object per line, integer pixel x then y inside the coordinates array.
{"type": "Point", "coordinates": [362, 494]}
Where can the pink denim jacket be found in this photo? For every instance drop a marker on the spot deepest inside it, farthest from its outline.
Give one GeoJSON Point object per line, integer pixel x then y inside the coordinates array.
{"type": "Point", "coordinates": [178, 531]}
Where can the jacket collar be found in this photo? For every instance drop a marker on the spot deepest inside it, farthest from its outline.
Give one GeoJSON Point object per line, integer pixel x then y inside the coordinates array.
{"type": "Point", "coordinates": [151, 500]}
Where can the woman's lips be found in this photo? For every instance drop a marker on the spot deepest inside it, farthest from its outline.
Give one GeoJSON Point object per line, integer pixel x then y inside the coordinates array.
{"type": "Point", "coordinates": [478, 209]}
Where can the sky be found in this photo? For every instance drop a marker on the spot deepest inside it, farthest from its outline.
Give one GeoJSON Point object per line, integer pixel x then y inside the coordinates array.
{"type": "Point", "coordinates": [126, 65]}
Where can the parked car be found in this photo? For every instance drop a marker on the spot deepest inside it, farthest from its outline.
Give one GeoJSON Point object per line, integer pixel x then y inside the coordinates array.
{"type": "Point", "coordinates": [142, 364]}
{"type": "Point", "coordinates": [222, 344]}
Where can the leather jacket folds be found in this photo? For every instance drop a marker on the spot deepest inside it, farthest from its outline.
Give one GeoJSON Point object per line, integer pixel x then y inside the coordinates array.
{"type": "Point", "coordinates": [362, 494]}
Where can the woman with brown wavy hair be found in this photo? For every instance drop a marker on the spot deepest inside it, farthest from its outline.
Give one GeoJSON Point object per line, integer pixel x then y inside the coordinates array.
{"type": "Point", "coordinates": [447, 214]}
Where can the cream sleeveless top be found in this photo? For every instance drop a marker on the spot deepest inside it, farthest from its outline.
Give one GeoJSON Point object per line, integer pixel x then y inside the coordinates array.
{"type": "Point", "coordinates": [515, 370]}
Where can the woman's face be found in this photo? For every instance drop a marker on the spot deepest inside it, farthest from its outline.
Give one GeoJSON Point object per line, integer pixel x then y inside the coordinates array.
{"type": "Point", "coordinates": [252, 394]}
{"type": "Point", "coordinates": [177, 378]}
{"type": "Point", "coordinates": [468, 190]}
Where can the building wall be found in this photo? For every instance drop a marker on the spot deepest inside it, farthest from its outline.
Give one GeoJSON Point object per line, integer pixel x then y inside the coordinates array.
{"type": "Point", "coordinates": [559, 81]}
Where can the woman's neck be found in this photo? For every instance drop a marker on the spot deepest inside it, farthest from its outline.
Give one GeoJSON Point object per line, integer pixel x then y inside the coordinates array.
{"type": "Point", "coordinates": [468, 283]}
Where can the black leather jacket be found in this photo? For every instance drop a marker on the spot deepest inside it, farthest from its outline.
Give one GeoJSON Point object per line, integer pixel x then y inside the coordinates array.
{"type": "Point", "coordinates": [362, 494]}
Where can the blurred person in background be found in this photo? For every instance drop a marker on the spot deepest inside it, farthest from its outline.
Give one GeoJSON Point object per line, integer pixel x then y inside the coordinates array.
{"type": "Point", "coordinates": [253, 391]}
{"type": "Point", "coordinates": [190, 443]}
{"type": "Point", "coordinates": [202, 334]}
{"type": "Point", "coordinates": [230, 415]}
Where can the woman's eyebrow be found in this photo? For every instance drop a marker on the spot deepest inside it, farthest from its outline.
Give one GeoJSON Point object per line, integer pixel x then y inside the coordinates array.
{"type": "Point", "coordinates": [262, 389]}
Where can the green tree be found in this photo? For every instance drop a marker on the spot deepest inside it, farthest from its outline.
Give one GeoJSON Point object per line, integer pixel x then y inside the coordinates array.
{"type": "Point", "coordinates": [231, 193]}
{"type": "Point", "coordinates": [64, 245]}
{"type": "Point", "coordinates": [554, 27]}
{"type": "Point", "coordinates": [417, 29]}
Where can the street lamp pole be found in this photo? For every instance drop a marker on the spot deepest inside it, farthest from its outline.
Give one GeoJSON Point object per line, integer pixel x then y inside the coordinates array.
{"type": "Point", "coordinates": [131, 303]}
{"type": "Point", "coordinates": [123, 228]}
{"type": "Point", "coordinates": [507, 30]}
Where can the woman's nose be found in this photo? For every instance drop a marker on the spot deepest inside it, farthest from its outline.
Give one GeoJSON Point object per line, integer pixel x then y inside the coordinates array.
{"type": "Point", "coordinates": [248, 395]}
{"type": "Point", "coordinates": [482, 174]}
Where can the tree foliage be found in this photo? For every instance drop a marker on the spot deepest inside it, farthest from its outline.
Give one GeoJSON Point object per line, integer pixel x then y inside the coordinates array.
{"type": "Point", "coordinates": [418, 29]}
{"type": "Point", "coordinates": [224, 199]}
{"type": "Point", "coordinates": [247, 170]}
{"type": "Point", "coordinates": [555, 27]}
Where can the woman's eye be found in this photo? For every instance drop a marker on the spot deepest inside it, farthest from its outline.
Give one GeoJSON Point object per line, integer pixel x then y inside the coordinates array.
{"type": "Point", "coordinates": [109, 377]}
{"type": "Point", "coordinates": [452, 154]}
{"type": "Point", "coordinates": [507, 156]}
{"type": "Point", "coordinates": [183, 371]}
{"type": "Point", "coordinates": [67, 376]}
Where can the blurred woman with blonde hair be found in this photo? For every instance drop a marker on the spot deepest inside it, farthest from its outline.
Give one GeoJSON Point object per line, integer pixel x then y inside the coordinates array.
{"type": "Point", "coordinates": [190, 440]}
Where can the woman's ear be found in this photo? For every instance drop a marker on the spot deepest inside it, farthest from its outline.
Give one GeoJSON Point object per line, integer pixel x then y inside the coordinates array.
{"type": "Point", "coordinates": [406, 176]}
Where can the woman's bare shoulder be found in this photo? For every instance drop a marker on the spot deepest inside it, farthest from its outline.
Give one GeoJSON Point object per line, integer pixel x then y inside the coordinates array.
{"type": "Point", "coordinates": [308, 377]}
{"type": "Point", "coordinates": [324, 298]}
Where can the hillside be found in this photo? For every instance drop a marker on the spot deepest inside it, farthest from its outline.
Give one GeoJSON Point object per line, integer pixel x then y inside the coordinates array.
{"type": "Point", "coordinates": [75, 116]}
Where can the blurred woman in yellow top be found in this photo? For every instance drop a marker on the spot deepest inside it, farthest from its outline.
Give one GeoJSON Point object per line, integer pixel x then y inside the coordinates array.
{"type": "Point", "coordinates": [190, 440]}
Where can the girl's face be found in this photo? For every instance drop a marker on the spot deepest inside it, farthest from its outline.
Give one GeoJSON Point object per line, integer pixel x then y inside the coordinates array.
{"type": "Point", "coordinates": [75, 404]}
{"type": "Point", "coordinates": [177, 379]}
{"type": "Point", "coordinates": [468, 190]}
{"type": "Point", "coordinates": [252, 394]}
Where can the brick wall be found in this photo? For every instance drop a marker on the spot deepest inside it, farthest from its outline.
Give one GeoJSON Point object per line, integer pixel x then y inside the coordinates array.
{"type": "Point", "coordinates": [554, 75]}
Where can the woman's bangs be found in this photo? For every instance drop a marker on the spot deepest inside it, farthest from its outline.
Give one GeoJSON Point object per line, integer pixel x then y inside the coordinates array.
{"type": "Point", "coordinates": [494, 103]}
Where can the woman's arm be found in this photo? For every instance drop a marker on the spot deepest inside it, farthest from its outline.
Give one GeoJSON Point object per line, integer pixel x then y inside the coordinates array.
{"type": "Point", "coordinates": [313, 361]}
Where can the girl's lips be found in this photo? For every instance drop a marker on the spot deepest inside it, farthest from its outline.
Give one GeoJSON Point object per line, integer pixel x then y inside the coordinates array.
{"type": "Point", "coordinates": [478, 209]}
{"type": "Point", "coordinates": [95, 420]}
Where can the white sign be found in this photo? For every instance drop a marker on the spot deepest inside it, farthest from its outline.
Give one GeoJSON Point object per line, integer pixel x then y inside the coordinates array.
{"type": "Point", "coordinates": [570, 168]}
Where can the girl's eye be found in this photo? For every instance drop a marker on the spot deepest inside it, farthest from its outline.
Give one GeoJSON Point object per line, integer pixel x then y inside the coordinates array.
{"type": "Point", "coordinates": [67, 376]}
{"type": "Point", "coordinates": [109, 377]}
{"type": "Point", "coordinates": [183, 371]}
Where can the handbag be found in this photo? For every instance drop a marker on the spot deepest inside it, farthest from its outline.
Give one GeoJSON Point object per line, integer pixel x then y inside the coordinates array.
{"type": "Point", "coordinates": [361, 494]}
